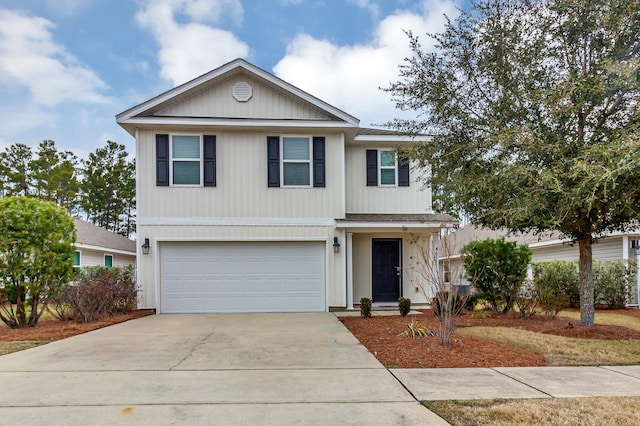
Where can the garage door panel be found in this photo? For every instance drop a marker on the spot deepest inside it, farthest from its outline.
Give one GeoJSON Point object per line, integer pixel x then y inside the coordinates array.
{"type": "Point", "coordinates": [242, 277]}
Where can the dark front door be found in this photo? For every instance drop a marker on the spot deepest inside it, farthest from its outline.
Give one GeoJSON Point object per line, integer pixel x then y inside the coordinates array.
{"type": "Point", "coordinates": [386, 269]}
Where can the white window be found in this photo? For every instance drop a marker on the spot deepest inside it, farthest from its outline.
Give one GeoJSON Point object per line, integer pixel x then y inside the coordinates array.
{"type": "Point", "coordinates": [186, 160]}
{"type": "Point", "coordinates": [388, 170]}
{"type": "Point", "coordinates": [296, 161]}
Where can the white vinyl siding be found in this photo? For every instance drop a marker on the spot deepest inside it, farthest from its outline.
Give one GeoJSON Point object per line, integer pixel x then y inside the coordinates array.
{"type": "Point", "coordinates": [604, 250]}
{"type": "Point", "coordinates": [295, 152]}
{"type": "Point", "coordinates": [361, 198]}
{"type": "Point", "coordinates": [96, 258]}
{"type": "Point", "coordinates": [269, 276]}
{"type": "Point", "coordinates": [266, 103]}
{"type": "Point", "coordinates": [241, 180]}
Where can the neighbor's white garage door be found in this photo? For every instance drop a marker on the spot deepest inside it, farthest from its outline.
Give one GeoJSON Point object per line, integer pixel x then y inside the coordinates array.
{"type": "Point", "coordinates": [242, 277]}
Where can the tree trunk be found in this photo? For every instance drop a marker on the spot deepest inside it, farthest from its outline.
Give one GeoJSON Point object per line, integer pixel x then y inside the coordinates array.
{"type": "Point", "coordinates": [585, 276]}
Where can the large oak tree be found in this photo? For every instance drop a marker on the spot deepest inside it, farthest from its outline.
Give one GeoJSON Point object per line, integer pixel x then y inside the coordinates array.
{"type": "Point", "coordinates": [533, 108]}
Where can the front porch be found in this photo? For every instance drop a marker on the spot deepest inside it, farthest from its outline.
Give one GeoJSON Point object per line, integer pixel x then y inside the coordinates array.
{"type": "Point", "coordinates": [385, 256]}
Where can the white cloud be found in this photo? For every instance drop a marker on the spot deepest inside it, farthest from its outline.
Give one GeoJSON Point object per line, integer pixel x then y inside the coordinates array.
{"type": "Point", "coordinates": [188, 50]}
{"type": "Point", "coordinates": [369, 5]}
{"type": "Point", "coordinates": [349, 76]}
{"type": "Point", "coordinates": [31, 60]}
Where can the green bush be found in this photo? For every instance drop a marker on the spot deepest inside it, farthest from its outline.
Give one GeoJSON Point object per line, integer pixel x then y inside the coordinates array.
{"type": "Point", "coordinates": [496, 269]}
{"type": "Point", "coordinates": [556, 285]}
{"type": "Point", "coordinates": [404, 306]}
{"type": "Point", "coordinates": [365, 307]}
{"type": "Point", "coordinates": [558, 288]}
{"type": "Point", "coordinates": [614, 282]}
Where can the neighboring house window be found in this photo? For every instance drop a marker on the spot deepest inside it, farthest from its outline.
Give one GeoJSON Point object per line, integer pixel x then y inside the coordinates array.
{"type": "Point", "coordinates": [296, 161]}
{"type": "Point", "coordinates": [108, 260]}
{"type": "Point", "coordinates": [385, 169]}
{"type": "Point", "coordinates": [447, 271]}
{"type": "Point", "coordinates": [76, 258]}
{"type": "Point", "coordinates": [185, 160]}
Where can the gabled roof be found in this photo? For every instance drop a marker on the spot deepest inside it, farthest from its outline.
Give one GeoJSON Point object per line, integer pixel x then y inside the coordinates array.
{"type": "Point", "coordinates": [97, 238]}
{"type": "Point", "coordinates": [144, 112]}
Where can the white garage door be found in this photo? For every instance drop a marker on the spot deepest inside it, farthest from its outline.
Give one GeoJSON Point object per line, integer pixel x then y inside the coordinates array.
{"type": "Point", "coordinates": [242, 277]}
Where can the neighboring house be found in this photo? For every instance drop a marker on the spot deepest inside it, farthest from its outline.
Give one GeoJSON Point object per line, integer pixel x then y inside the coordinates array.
{"type": "Point", "coordinates": [254, 196]}
{"type": "Point", "coordinates": [547, 247]}
{"type": "Point", "coordinates": [95, 246]}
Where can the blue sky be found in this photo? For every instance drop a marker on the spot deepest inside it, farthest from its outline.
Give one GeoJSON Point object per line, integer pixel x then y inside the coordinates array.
{"type": "Point", "coordinates": [67, 67]}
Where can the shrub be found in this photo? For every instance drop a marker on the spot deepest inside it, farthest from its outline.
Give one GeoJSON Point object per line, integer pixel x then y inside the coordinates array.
{"type": "Point", "coordinates": [496, 269]}
{"type": "Point", "coordinates": [556, 285]}
{"type": "Point", "coordinates": [404, 306]}
{"type": "Point", "coordinates": [613, 282]}
{"type": "Point", "coordinates": [365, 307]}
{"type": "Point", "coordinates": [446, 303]}
{"type": "Point", "coordinates": [97, 293]}
{"type": "Point", "coordinates": [527, 300]}
{"type": "Point", "coordinates": [416, 330]}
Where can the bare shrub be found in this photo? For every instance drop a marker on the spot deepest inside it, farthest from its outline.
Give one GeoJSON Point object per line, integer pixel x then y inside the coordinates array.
{"type": "Point", "coordinates": [442, 288]}
{"type": "Point", "coordinates": [97, 293]}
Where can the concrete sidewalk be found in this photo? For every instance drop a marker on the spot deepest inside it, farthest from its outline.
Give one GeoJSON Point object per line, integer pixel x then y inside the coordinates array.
{"type": "Point", "coordinates": [519, 382]}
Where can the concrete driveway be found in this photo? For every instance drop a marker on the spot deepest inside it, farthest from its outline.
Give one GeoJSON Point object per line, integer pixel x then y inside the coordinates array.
{"type": "Point", "coordinates": [207, 369]}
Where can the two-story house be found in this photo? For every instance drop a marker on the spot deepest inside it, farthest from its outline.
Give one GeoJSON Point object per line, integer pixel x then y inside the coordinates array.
{"type": "Point", "coordinates": [254, 196]}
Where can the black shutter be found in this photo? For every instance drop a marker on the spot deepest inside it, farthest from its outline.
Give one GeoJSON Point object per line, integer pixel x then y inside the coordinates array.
{"type": "Point", "coordinates": [318, 162]}
{"type": "Point", "coordinates": [209, 160]}
{"type": "Point", "coordinates": [372, 167]}
{"type": "Point", "coordinates": [162, 160]}
{"type": "Point", "coordinates": [403, 172]}
{"type": "Point", "coordinates": [273, 161]}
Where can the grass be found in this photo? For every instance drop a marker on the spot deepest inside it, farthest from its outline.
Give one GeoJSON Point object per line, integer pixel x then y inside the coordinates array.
{"type": "Point", "coordinates": [8, 347]}
{"type": "Point", "coordinates": [563, 350]}
{"type": "Point", "coordinates": [619, 411]}
{"type": "Point", "coordinates": [630, 322]}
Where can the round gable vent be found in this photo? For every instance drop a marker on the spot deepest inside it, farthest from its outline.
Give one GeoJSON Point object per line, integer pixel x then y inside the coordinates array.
{"type": "Point", "coordinates": [242, 92]}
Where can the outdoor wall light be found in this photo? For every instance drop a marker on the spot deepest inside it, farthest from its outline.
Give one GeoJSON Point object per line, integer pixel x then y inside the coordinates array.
{"type": "Point", "coordinates": [336, 245]}
{"type": "Point", "coordinates": [145, 246]}
{"type": "Point", "coordinates": [635, 245]}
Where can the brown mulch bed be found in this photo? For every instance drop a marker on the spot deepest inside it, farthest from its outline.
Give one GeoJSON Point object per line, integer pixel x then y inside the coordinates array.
{"type": "Point", "coordinates": [382, 335]}
{"type": "Point", "coordinates": [53, 329]}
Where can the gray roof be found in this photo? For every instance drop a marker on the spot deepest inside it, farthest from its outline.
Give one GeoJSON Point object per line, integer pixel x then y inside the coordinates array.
{"type": "Point", "coordinates": [92, 235]}
{"type": "Point", "coordinates": [471, 232]}
{"type": "Point", "coordinates": [391, 218]}
{"type": "Point", "coordinates": [375, 132]}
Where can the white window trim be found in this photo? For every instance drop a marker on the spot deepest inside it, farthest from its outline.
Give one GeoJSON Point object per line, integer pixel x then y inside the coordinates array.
{"type": "Point", "coordinates": [283, 161]}
{"type": "Point", "coordinates": [104, 260]}
{"type": "Point", "coordinates": [79, 258]}
{"type": "Point", "coordinates": [380, 168]}
{"type": "Point", "coordinates": [171, 160]}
